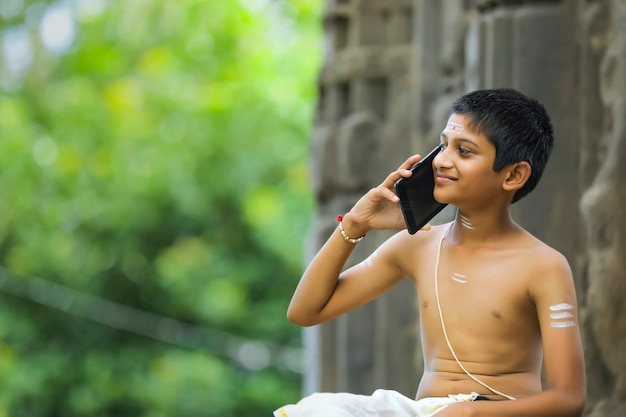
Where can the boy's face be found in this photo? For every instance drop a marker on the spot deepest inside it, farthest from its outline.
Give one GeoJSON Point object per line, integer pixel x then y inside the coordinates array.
{"type": "Point", "coordinates": [464, 168]}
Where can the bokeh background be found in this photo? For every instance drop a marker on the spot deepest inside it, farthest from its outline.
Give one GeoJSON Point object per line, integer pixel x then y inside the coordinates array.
{"type": "Point", "coordinates": [154, 201]}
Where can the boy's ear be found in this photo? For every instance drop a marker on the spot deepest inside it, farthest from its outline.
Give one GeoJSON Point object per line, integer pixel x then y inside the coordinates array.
{"type": "Point", "coordinates": [517, 175]}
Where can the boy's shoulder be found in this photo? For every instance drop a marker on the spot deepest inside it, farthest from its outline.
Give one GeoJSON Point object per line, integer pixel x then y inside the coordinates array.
{"type": "Point", "coordinates": [433, 234]}
{"type": "Point", "coordinates": [523, 246]}
{"type": "Point", "coordinates": [406, 249]}
{"type": "Point", "coordinates": [541, 261]}
{"type": "Point", "coordinates": [539, 248]}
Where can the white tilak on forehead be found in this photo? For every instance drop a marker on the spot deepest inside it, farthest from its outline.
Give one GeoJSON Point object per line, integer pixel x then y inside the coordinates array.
{"type": "Point", "coordinates": [560, 315]}
{"type": "Point", "coordinates": [455, 127]}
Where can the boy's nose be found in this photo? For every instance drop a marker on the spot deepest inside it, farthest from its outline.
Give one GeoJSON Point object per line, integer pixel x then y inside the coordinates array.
{"type": "Point", "coordinates": [442, 160]}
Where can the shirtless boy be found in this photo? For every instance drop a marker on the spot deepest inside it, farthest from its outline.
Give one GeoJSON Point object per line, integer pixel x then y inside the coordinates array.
{"type": "Point", "coordinates": [490, 294]}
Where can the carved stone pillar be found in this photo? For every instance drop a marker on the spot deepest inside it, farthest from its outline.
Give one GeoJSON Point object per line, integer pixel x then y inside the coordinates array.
{"type": "Point", "coordinates": [359, 136]}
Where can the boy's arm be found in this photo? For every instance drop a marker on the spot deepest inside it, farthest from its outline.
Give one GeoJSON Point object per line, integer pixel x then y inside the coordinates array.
{"type": "Point", "coordinates": [555, 300]}
{"type": "Point", "coordinates": [324, 292]}
{"type": "Point", "coordinates": [554, 296]}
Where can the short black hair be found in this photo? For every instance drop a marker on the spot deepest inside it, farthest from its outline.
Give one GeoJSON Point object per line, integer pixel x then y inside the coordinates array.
{"type": "Point", "coordinates": [518, 126]}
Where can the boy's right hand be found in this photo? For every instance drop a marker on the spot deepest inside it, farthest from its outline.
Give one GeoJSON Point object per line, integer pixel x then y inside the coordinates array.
{"type": "Point", "coordinates": [379, 208]}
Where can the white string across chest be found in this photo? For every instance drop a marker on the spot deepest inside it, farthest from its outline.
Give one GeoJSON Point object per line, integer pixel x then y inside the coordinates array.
{"type": "Point", "coordinates": [443, 326]}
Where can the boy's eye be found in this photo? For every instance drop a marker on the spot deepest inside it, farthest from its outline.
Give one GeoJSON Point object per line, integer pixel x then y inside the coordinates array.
{"type": "Point", "coordinates": [464, 151]}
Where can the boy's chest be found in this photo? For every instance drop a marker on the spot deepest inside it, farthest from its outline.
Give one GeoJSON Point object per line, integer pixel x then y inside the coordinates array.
{"type": "Point", "coordinates": [487, 294]}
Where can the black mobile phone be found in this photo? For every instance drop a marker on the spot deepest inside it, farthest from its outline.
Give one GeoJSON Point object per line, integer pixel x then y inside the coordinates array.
{"type": "Point", "coordinates": [417, 203]}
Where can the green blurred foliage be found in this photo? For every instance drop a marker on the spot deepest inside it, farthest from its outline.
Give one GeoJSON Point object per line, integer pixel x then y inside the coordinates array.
{"type": "Point", "coordinates": [158, 162]}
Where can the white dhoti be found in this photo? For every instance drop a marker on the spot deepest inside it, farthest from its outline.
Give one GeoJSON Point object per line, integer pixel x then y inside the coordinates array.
{"type": "Point", "coordinates": [382, 403]}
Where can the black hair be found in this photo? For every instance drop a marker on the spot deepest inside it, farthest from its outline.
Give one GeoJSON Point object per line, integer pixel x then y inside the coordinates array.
{"type": "Point", "coordinates": [518, 126]}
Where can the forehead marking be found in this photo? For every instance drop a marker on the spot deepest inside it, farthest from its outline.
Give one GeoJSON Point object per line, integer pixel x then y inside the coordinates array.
{"type": "Point", "coordinates": [455, 127]}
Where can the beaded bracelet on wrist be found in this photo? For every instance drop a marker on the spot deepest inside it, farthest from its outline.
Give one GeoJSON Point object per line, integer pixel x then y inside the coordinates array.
{"type": "Point", "coordinates": [345, 235]}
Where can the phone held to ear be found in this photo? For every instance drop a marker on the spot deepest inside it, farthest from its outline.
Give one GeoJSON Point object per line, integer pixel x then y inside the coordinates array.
{"type": "Point", "coordinates": [417, 203]}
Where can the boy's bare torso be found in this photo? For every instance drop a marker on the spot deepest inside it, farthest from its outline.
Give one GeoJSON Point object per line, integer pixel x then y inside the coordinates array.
{"type": "Point", "coordinates": [489, 316]}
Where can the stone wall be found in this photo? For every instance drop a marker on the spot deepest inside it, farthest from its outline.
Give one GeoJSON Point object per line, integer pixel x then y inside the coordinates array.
{"type": "Point", "coordinates": [391, 70]}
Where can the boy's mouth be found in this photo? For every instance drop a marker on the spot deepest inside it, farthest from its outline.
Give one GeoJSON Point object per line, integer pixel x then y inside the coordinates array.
{"type": "Point", "coordinates": [443, 178]}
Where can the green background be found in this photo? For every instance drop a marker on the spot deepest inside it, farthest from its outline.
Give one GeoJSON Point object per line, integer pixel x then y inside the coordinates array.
{"type": "Point", "coordinates": [154, 202]}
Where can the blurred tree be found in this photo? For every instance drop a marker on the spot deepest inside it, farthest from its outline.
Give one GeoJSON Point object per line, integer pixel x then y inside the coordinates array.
{"type": "Point", "coordinates": [154, 178]}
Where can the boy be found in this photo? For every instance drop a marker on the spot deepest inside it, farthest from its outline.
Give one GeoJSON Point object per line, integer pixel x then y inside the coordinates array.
{"type": "Point", "coordinates": [495, 302]}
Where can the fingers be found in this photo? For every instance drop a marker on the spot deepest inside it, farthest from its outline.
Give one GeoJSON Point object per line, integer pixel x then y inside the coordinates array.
{"type": "Point", "coordinates": [411, 160]}
{"type": "Point", "coordinates": [406, 166]}
{"type": "Point", "coordinates": [389, 194]}
{"type": "Point", "coordinates": [403, 171]}
{"type": "Point", "coordinates": [386, 190]}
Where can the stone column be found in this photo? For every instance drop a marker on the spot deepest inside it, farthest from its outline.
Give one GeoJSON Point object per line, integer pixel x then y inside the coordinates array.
{"type": "Point", "coordinates": [361, 133]}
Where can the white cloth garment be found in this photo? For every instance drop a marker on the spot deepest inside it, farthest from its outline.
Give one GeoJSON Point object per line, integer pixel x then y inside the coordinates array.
{"type": "Point", "coordinates": [382, 403]}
